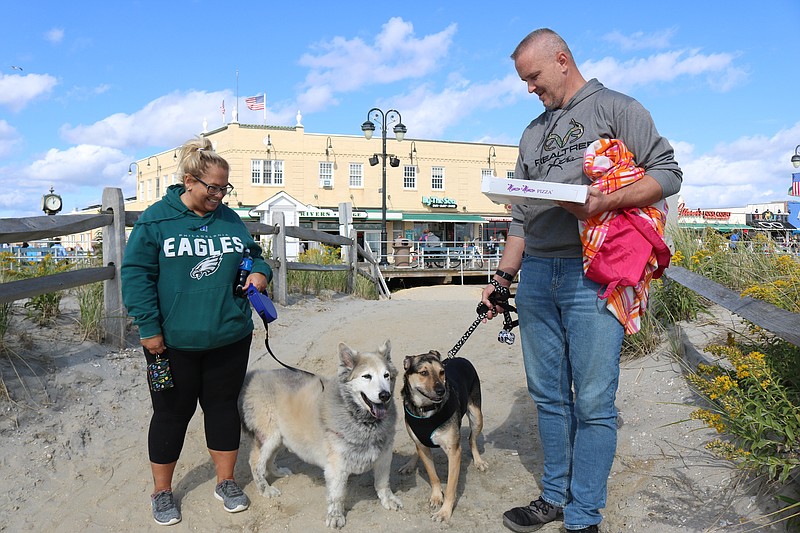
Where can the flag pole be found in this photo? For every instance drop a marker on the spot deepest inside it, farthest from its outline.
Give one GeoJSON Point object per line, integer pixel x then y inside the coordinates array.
{"type": "Point", "coordinates": [265, 108]}
{"type": "Point", "coordinates": [237, 91]}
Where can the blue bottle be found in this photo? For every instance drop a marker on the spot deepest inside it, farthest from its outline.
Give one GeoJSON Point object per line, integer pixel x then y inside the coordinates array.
{"type": "Point", "coordinates": [245, 267]}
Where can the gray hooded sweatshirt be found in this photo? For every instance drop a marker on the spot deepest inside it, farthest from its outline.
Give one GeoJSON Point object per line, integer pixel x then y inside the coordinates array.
{"type": "Point", "coordinates": [552, 148]}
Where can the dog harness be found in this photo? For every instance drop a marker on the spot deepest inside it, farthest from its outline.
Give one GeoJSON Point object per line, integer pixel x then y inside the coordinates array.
{"type": "Point", "coordinates": [461, 377]}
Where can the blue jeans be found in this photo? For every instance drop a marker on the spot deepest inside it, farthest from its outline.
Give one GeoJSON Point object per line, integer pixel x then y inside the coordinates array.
{"type": "Point", "coordinates": [571, 345]}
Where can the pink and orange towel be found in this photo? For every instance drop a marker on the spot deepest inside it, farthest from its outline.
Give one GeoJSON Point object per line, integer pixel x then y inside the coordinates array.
{"type": "Point", "coordinates": [610, 166]}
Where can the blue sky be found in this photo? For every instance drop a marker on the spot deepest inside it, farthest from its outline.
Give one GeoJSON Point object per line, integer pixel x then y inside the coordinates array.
{"type": "Point", "coordinates": [105, 83]}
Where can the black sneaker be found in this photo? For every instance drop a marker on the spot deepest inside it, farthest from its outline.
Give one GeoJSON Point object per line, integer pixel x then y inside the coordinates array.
{"type": "Point", "coordinates": [590, 529]}
{"type": "Point", "coordinates": [531, 517]}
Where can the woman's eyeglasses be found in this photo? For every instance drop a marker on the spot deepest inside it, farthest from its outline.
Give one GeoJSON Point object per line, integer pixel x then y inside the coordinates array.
{"type": "Point", "coordinates": [214, 190]}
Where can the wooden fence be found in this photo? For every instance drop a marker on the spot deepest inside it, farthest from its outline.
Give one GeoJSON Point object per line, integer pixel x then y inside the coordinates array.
{"type": "Point", "coordinates": [777, 321]}
{"type": "Point", "coordinates": [113, 220]}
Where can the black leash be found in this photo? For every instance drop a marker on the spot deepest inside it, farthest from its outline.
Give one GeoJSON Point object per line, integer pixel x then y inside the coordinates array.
{"type": "Point", "coordinates": [284, 365]}
{"type": "Point", "coordinates": [266, 310]}
{"type": "Point", "coordinates": [500, 296]}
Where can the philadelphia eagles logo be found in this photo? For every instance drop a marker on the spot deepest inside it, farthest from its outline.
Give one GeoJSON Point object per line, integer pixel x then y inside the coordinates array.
{"type": "Point", "coordinates": [207, 266]}
{"type": "Point", "coordinates": [554, 142]}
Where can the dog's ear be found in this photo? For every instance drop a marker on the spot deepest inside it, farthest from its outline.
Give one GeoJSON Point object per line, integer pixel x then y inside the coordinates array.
{"type": "Point", "coordinates": [436, 354]}
{"type": "Point", "coordinates": [347, 356]}
{"type": "Point", "coordinates": [386, 350]}
{"type": "Point", "coordinates": [407, 362]}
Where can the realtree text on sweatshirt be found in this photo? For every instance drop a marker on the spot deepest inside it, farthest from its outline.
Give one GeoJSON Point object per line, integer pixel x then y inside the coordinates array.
{"type": "Point", "coordinates": [552, 148]}
{"type": "Point", "coordinates": [178, 274]}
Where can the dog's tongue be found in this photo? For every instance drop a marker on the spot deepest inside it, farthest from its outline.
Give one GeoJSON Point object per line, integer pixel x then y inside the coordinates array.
{"type": "Point", "coordinates": [379, 410]}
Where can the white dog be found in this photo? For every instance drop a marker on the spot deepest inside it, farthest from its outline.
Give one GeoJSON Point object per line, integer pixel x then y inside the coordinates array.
{"type": "Point", "coordinates": [344, 424]}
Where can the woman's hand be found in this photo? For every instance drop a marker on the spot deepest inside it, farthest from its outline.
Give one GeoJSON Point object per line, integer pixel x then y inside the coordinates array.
{"type": "Point", "coordinates": [155, 344]}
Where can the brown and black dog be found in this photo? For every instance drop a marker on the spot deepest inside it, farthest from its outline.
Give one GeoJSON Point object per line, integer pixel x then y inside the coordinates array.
{"type": "Point", "coordinates": [436, 396]}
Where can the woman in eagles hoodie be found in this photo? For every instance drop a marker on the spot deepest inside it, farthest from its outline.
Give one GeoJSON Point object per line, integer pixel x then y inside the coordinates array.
{"type": "Point", "coordinates": [177, 282]}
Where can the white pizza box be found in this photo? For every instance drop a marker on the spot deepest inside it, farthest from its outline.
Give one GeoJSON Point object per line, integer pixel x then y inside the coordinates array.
{"type": "Point", "coordinates": [513, 191]}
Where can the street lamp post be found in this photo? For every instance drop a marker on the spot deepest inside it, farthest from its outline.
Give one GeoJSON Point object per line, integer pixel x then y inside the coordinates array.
{"type": "Point", "coordinates": [368, 127]}
{"type": "Point", "coordinates": [796, 157]}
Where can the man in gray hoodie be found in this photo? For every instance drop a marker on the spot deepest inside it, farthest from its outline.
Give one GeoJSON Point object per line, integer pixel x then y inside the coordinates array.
{"type": "Point", "coordinates": [570, 341]}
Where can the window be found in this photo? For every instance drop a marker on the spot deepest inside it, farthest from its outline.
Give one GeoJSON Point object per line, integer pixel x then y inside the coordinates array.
{"type": "Point", "coordinates": [325, 174]}
{"type": "Point", "coordinates": [510, 174]}
{"type": "Point", "coordinates": [255, 171]}
{"type": "Point", "coordinates": [149, 190]}
{"type": "Point", "coordinates": [266, 172]}
{"type": "Point", "coordinates": [357, 175]}
{"type": "Point", "coordinates": [437, 178]}
{"type": "Point", "coordinates": [409, 177]}
{"type": "Point", "coordinates": [158, 187]}
{"type": "Point", "coordinates": [486, 173]}
{"type": "Point", "coordinates": [141, 191]}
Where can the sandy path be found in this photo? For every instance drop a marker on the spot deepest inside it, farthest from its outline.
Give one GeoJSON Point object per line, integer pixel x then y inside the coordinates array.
{"type": "Point", "coordinates": [78, 461]}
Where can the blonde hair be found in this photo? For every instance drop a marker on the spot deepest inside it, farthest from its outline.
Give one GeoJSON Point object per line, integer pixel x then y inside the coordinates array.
{"type": "Point", "coordinates": [196, 156]}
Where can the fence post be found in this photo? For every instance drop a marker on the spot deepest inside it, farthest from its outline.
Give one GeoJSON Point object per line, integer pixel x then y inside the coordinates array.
{"type": "Point", "coordinates": [113, 250]}
{"type": "Point", "coordinates": [352, 262]}
{"type": "Point", "coordinates": [346, 230]}
{"type": "Point", "coordinates": [280, 277]}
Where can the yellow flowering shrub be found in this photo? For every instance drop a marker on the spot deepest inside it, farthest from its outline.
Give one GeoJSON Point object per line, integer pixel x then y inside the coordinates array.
{"type": "Point", "coordinates": [753, 405]}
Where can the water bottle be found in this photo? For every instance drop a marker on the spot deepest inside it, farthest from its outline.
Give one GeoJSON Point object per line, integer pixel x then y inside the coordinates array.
{"type": "Point", "coordinates": [245, 267]}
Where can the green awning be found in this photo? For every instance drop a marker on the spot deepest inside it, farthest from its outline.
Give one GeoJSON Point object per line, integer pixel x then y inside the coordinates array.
{"type": "Point", "coordinates": [442, 217]}
{"type": "Point", "coordinates": [718, 227]}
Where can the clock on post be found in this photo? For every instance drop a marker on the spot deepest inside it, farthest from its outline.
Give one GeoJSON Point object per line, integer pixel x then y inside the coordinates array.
{"type": "Point", "coordinates": [51, 203]}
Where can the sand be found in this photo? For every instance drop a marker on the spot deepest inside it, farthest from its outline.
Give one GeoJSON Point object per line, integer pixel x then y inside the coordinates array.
{"type": "Point", "coordinates": [74, 438]}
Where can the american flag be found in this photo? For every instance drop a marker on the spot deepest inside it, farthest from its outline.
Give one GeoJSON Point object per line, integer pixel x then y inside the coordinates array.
{"type": "Point", "coordinates": [255, 102]}
{"type": "Point", "coordinates": [795, 190]}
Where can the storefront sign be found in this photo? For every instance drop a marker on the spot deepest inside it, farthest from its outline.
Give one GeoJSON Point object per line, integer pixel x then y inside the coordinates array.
{"type": "Point", "coordinates": [709, 215]}
{"type": "Point", "coordinates": [328, 213]}
{"type": "Point", "coordinates": [433, 201]}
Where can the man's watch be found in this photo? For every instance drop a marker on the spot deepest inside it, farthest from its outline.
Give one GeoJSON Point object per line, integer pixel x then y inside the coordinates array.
{"type": "Point", "coordinates": [503, 274]}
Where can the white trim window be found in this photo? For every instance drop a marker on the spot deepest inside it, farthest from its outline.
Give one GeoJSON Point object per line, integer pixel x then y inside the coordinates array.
{"type": "Point", "coordinates": [326, 174]}
{"type": "Point", "coordinates": [437, 178]}
{"type": "Point", "coordinates": [141, 191]}
{"type": "Point", "coordinates": [158, 187]}
{"type": "Point", "coordinates": [356, 175]}
{"type": "Point", "coordinates": [266, 172]}
{"type": "Point", "coordinates": [410, 177]}
{"type": "Point", "coordinates": [486, 173]}
{"type": "Point", "coordinates": [510, 174]}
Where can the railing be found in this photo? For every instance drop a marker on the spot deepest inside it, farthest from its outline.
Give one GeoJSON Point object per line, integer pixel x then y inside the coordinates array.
{"type": "Point", "coordinates": [472, 255]}
{"type": "Point", "coordinates": [777, 321]}
{"type": "Point", "coordinates": [113, 219]}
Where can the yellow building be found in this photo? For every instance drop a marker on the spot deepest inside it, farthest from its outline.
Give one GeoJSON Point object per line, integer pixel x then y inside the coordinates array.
{"type": "Point", "coordinates": [429, 184]}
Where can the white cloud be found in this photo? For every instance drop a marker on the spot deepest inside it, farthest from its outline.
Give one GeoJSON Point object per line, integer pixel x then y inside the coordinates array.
{"type": "Point", "coordinates": [17, 91]}
{"type": "Point", "coordinates": [345, 65]}
{"type": "Point", "coordinates": [748, 170]}
{"type": "Point", "coordinates": [640, 40]}
{"type": "Point", "coordinates": [722, 74]}
{"type": "Point", "coordinates": [54, 36]}
{"type": "Point", "coordinates": [76, 173]}
{"type": "Point", "coordinates": [432, 112]}
{"type": "Point", "coordinates": [9, 138]}
{"type": "Point", "coordinates": [183, 112]}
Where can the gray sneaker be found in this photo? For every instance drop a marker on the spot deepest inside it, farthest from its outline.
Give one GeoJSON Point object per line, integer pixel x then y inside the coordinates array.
{"type": "Point", "coordinates": [531, 517]}
{"type": "Point", "coordinates": [233, 498]}
{"type": "Point", "coordinates": [165, 512]}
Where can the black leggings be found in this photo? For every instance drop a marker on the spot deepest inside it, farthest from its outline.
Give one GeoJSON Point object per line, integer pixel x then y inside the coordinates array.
{"type": "Point", "coordinates": [212, 377]}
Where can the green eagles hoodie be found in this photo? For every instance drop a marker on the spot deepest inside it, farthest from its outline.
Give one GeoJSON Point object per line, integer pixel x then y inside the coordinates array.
{"type": "Point", "coordinates": [178, 274]}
